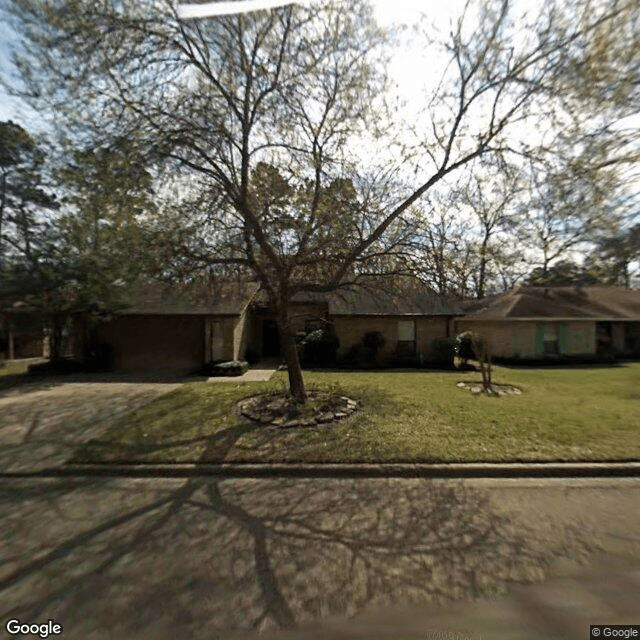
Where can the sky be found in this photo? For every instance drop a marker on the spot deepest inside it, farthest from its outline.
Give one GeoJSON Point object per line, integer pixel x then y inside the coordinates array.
{"type": "Point", "coordinates": [409, 62]}
{"type": "Point", "coordinates": [388, 12]}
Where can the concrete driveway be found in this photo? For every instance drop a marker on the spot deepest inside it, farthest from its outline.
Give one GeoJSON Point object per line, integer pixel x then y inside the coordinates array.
{"type": "Point", "coordinates": [42, 422]}
{"type": "Point", "coordinates": [204, 558]}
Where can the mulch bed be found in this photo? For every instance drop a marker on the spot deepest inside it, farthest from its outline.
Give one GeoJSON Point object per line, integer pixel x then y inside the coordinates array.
{"type": "Point", "coordinates": [496, 389]}
{"type": "Point", "coordinates": [281, 410]}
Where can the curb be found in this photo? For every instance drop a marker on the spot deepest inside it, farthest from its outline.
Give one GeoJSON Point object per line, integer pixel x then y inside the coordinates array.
{"type": "Point", "coordinates": [400, 470]}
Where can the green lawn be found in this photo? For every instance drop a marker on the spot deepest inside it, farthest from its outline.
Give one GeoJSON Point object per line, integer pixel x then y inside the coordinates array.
{"type": "Point", "coordinates": [562, 414]}
{"type": "Point", "coordinates": [14, 372]}
{"type": "Point", "coordinates": [15, 367]}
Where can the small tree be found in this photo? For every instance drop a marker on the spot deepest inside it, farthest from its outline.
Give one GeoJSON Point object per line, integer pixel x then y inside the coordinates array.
{"type": "Point", "coordinates": [481, 347]}
{"type": "Point", "coordinates": [473, 345]}
{"type": "Point", "coordinates": [464, 349]}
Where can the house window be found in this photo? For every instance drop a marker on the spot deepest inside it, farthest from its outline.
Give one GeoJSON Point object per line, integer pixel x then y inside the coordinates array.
{"type": "Point", "coordinates": [406, 338]}
{"type": "Point", "coordinates": [550, 343]}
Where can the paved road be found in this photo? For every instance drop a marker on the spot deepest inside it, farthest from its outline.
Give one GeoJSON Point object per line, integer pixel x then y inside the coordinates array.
{"type": "Point", "coordinates": [289, 558]}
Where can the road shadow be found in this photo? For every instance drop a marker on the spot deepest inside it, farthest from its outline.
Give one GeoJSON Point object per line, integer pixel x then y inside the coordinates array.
{"type": "Point", "coordinates": [206, 558]}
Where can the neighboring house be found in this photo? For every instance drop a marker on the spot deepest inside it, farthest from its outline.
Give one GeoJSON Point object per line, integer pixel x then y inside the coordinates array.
{"type": "Point", "coordinates": [166, 328]}
{"type": "Point", "coordinates": [541, 322]}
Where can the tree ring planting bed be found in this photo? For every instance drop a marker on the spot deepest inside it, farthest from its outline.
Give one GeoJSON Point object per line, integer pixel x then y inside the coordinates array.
{"type": "Point", "coordinates": [496, 389]}
{"type": "Point", "coordinates": [281, 410]}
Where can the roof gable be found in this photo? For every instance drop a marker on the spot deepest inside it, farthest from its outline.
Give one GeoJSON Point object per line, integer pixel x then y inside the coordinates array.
{"type": "Point", "coordinates": [560, 302]}
{"type": "Point", "coordinates": [222, 298]}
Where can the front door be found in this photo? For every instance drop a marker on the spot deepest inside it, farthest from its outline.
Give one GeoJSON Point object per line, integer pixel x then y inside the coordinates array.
{"type": "Point", "coordinates": [270, 339]}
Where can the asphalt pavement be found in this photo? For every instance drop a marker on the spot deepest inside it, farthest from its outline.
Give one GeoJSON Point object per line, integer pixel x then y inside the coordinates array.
{"type": "Point", "coordinates": [375, 558]}
{"type": "Point", "coordinates": [383, 553]}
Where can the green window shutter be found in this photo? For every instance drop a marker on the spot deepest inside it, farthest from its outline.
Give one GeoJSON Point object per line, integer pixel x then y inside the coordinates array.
{"type": "Point", "coordinates": [563, 338]}
{"type": "Point", "coordinates": [539, 343]}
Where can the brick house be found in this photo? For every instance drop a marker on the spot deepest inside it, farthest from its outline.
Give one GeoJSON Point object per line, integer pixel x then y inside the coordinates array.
{"type": "Point", "coordinates": [409, 319]}
{"type": "Point", "coordinates": [164, 328]}
{"type": "Point", "coordinates": [543, 322]}
{"type": "Point", "coordinates": [167, 328]}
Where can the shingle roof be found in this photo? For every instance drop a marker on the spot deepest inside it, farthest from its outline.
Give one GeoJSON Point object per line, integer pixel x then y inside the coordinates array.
{"type": "Point", "coordinates": [560, 302]}
{"type": "Point", "coordinates": [413, 301]}
{"type": "Point", "coordinates": [227, 298]}
{"type": "Point", "coordinates": [402, 296]}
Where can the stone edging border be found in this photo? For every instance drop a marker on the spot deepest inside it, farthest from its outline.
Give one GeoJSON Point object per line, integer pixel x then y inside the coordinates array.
{"type": "Point", "coordinates": [347, 407]}
{"type": "Point", "coordinates": [498, 389]}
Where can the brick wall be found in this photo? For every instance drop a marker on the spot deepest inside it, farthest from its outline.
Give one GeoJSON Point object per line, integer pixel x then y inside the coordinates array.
{"type": "Point", "coordinates": [517, 338]}
{"type": "Point", "coordinates": [351, 329]}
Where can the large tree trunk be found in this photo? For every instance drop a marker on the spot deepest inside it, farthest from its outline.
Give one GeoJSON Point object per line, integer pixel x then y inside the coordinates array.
{"type": "Point", "coordinates": [57, 337]}
{"type": "Point", "coordinates": [483, 267]}
{"type": "Point", "coordinates": [290, 354]}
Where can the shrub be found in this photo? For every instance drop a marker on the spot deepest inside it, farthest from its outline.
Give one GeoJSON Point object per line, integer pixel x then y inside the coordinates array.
{"type": "Point", "coordinates": [464, 346]}
{"type": "Point", "coordinates": [443, 351]}
{"type": "Point", "coordinates": [365, 352]}
{"type": "Point", "coordinates": [373, 341]}
{"type": "Point", "coordinates": [60, 366]}
{"type": "Point", "coordinates": [580, 359]}
{"type": "Point", "coordinates": [355, 355]}
{"type": "Point", "coordinates": [230, 368]}
{"type": "Point", "coordinates": [318, 348]}
{"type": "Point", "coordinates": [99, 357]}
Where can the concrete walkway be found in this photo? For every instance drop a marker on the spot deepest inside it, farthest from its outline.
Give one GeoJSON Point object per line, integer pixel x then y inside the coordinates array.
{"type": "Point", "coordinates": [262, 372]}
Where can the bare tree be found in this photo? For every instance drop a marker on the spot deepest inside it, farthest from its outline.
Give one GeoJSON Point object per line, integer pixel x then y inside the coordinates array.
{"type": "Point", "coordinates": [263, 109]}
{"type": "Point", "coordinates": [444, 256]}
{"type": "Point", "coordinates": [491, 194]}
{"type": "Point", "coordinates": [566, 210]}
